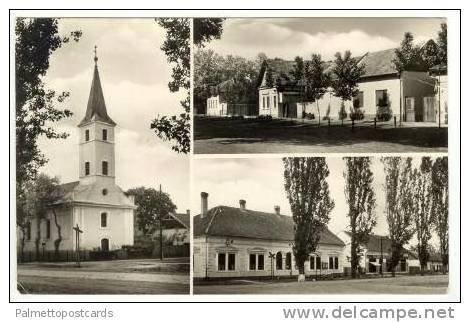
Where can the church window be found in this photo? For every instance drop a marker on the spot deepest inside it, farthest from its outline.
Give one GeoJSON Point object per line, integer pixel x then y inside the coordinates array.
{"type": "Point", "coordinates": [104, 167]}
{"type": "Point", "coordinates": [104, 220]}
{"type": "Point", "coordinates": [87, 135]}
{"type": "Point", "coordinates": [48, 229]}
{"type": "Point", "coordinates": [87, 168]}
{"type": "Point", "coordinates": [279, 260]}
{"type": "Point", "coordinates": [105, 135]}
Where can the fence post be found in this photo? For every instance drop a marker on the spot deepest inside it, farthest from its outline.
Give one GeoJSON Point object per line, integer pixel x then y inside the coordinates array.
{"type": "Point", "coordinates": [395, 121]}
{"type": "Point", "coordinates": [328, 122]}
{"type": "Point", "coordinates": [375, 122]}
{"type": "Point", "coordinates": [352, 123]}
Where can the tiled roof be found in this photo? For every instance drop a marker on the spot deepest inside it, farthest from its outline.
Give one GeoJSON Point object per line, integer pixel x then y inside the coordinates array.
{"type": "Point", "coordinates": [96, 107]}
{"type": "Point", "coordinates": [235, 222]}
{"type": "Point", "coordinates": [66, 190]}
{"type": "Point", "coordinates": [183, 218]}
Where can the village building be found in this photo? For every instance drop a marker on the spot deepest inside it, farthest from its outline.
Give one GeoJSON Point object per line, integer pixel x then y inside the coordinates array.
{"type": "Point", "coordinates": [218, 104]}
{"type": "Point", "coordinates": [94, 203]}
{"type": "Point", "coordinates": [384, 92]}
{"type": "Point", "coordinates": [439, 73]}
{"type": "Point", "coordinates": [176, 228]}
{"type": "Point", "coordinates": [231, 242]}
{"type": "Point", "coordinates": [375, 255]}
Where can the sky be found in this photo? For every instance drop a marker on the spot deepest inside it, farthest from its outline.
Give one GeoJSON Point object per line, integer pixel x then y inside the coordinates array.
{"type": "Point", "coordinates": [289, 37]}
{"type": "Point", "coordinates": [134, 75]}
{"type": "Point", "coordinates": [261, 183]}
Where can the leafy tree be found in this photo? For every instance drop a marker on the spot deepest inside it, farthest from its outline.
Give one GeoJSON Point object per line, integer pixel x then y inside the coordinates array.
{"type": "Point", "coordinates": [440, 206]}
{"type": "Point", "coordinates": [206, 29]}
{"type": "Point", "coordinates": [37, 106]}
{"type": "Point", "coordinates": [442, 44]}
{"type": "Point", "coordinates": [408, 57]}
{"type": "Point", "coordinates": [177, 48]}
{"type": "Point", "coordinates": [361, 201]}
{"type": "Point", "coordinates": [305, 182]}
{"type": "Point", "coordinates": [423, 214]}
{"type": "Point", "coordinates": [41, 194]}
{"type": "Point", "coordinates": [346, 74]}
{"type": "Point", "coordinates": [298, 72]}
{"type": "Point", "coordinates": [430, 54]}
{"type": "Point", "coordinates": [152, 207]}
{"type": "Point", "coordinates": [317, 81]}
{"type": "Point", "coordinates": [398, 199]}
{"type": "Point", "coordinates": [208, 72]}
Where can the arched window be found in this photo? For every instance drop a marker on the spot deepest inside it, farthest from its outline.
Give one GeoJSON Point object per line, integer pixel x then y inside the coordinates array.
{"type": "Point", "coordinates": [104, 220]}
{"type": "Point", "coordinates": [279, 261]}
{"type": "Point", "coordinates": [87, 168]}
{"type": "Point", "coordinates": [104, 168]}
{"type": "Point", "coordinates": [288, 261]}
{"type": "Point", "coordinates": [105, 244]}
{"type": "Point", "coordinates": [105, 135]}
{"type": "Point", "coordinates": [87, 135]}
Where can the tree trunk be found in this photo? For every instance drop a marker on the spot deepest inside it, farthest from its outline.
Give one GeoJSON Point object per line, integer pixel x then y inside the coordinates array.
{"type": "Point", "coordinates": [22, 242]}
{"type": "Point", "coordinates": [37, 241]}
{"type": "Point", "coordinates": [318, 109]}
{"type": "Point", "coordinates": [354, 260]}
{"type": "Point", "coordinates": [301, 277]}
{"type": "Point", "coordinates": [59, 236]}
{"type": "Point", "coordinates": [422, 269]}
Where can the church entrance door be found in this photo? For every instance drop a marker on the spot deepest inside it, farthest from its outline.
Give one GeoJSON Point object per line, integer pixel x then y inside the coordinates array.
{"type": "Point", "coordinates": [105, 244]}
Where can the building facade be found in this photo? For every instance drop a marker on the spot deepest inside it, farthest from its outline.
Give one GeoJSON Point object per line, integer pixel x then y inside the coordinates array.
{"type": "Point", "coordinates": [233, 242]}
{"type": "Point", "coordinates": [94, 203]}
{"type": "Point", "coordinates": [383, 91]}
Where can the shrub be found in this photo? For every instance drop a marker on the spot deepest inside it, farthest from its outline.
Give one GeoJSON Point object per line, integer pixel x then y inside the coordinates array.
{"type": "Point", "coordinates": [356, 115]}
{"type": "Point", "coordinates": [325, 118]}
{"type": "Point", "coordinates": [342, 112]}
{"type": "Point", "coordinates": [308, 116]}
{"type": "Point", "coordinates": [384, 113]}
{"type": "Point", "coordinates": [265, 117]}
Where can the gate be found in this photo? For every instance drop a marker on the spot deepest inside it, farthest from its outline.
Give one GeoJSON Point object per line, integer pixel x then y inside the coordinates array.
{"type": "Point", "coordinates": [429, 106]}
{"type": "Point", "coordinates": [410, 109]}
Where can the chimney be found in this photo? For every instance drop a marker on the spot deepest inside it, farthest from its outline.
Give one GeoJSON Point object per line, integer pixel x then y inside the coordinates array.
{"type": "Point", "coordinates": [242, 204]}
{"type": "Point", "coordinates": [277, 210]}
{"type": "Point", "coordinates": [188, 212]}
{"type": "Point", "coordinates": [204, 196]}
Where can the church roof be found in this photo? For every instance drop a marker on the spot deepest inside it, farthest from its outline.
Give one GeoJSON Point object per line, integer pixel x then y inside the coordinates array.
{"type": "Point", "coordinates": [96, 107]}
{"type": "Point", "coordinates": [235, 222]}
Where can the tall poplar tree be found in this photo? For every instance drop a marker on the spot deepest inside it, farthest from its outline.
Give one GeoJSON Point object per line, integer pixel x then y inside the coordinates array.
{"type": "Point", "coordinates": [360, 198]}
{"type": "Point", "coordinates": [305, 182]}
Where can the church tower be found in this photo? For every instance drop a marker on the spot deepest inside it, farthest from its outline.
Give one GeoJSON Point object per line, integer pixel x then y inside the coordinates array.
{"type": "Point", "coordinates": [96, 143]}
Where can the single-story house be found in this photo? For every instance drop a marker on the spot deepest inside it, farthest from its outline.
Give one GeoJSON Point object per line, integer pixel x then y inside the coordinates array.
{"type": "Point", "coordinates": [377, 248]}
{"type": "Point", "coordinates": [382, 91]}
{"type": "Point", "coordinates": [240, 242]}
{"type": "Point", "coordinates": [218, 105]}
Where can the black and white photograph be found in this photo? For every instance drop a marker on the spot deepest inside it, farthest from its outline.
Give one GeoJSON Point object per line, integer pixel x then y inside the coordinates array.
{"type": "Point", "coordinates": [322, 85]}
{"type": "Point", "coordinates": [101, 180]}
{"type": "Point", "coordinates": [315, 225]}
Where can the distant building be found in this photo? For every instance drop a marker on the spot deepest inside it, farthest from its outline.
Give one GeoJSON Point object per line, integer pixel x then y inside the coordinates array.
{"type": "Point", "coordinates": [382, 90]}
{"type": "Point", "coordinates": [375, 255]}
{"type": "Point", "coordinates": [218, 103]}
{"type": "Point", "coordinates": [176, 228]}
{"type": "Point", "coordinates": [94, 203]}
{"type": "Point", "coordinates": [239, 242]}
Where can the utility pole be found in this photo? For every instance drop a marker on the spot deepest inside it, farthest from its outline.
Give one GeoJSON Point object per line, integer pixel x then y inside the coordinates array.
{"type": "Point", "coordinates": [381, 258]}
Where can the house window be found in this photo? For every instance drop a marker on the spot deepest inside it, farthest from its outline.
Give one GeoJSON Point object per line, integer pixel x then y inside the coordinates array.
{"type": "Point", "coordinates": [358, 100]}
{"type": "Point", "coordinates": [104, 168]}
{"type": "Point", "coordinates": [28, 230]}
{"type": "Point", "coordinates": [226, 261]}
{"type": "Point", "coordinates": [288, 261]}
{"type": "Point", "coordinates": [105, 135]}
{"type": "Point", "coordinates": [252, 262]}
{"type": "Point", "coordinates": [279, 261]}
{"type": "Point", "coordinates": [48, 229]}
{"type": "Point", "coordinates": [334, 262]}
{"type": "Point", "coordinates": [268, 105]}
{"type": "Point", "coordinates": [87, 168]}
{"type": "Point", "coordinates": [318, 262]}
{"type": "Point", "coordinates": [260, 262]}
{"type": "Point", "coordinates": [87, 135]}
{"type": "Point", "coordinates": [274, 101]}
{"type": "Point", "coordinates": [381, 98]}
{"type": "Point", "coordinates": [264, 102]}
{"type": "Point", "coordinates": [104, 220]}
{"type": "Point", "coordinates": [312, 263]}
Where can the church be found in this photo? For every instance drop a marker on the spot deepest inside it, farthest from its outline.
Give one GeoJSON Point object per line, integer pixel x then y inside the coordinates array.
{"type": "Point", "coordinates": [94, 203]}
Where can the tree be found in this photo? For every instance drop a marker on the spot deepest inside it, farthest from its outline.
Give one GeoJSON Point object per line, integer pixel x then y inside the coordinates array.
{"type": "Point", "coordinates": [440, 206]}
{"type": "Point", "coordinates": [442, 44]}
{"type": "Point", "coordinates": [398, 191]}
{"type": "Point", "coordinates": [317, 81]}
{"type": "Point", "coordinates": [361, 201]}
{"type": "Point", "coordinates": [423, 215]}
{"type": "Point", "coordinates": [305, 182]}
{"type": "Point", "coordinates": [37, 106]}
{"type": "Point", "coordinates": [41, 195]}
{"type": "Point", "coordinates": [346, 74]}
{"type": "Point", "coordinates": [408, 57]}
{"type": "Point", "coordinates": [177, 48]}
{"type": "Point", "coordinates": [298, 72]}
{"type": "Point", "coordinates": [152, 207]}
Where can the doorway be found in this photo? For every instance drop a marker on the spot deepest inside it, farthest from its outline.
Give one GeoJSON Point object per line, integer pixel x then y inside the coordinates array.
{"type": "Point", "coordinates": [105, 244]}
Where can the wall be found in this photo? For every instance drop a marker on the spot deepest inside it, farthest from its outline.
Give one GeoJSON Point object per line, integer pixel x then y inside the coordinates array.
{"type": "Point", "coordinates": [273, 108]}
{"type": "Point", "coordinates": [242, 247]}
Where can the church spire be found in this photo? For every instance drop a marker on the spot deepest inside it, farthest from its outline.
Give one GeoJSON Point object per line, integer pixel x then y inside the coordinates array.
{"type": "Point", "coordinates": [96, 108]}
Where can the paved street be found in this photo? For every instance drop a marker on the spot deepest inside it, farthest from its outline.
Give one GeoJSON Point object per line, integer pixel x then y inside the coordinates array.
{"type": "Point", "coordinates": [227, 136]}
{"type": "Point", "coordinates": [434, 284]}
{"type": "Point", "coordinates": [106, 277]}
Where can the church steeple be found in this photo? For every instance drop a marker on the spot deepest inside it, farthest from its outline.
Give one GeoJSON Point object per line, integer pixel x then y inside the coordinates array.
{"type": "Point", "coordinates": [96, 146]}
{"type": "Point", "coordinates": [96, 107]}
